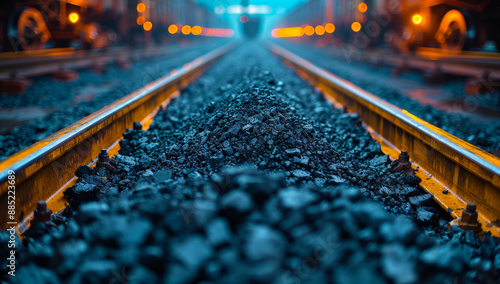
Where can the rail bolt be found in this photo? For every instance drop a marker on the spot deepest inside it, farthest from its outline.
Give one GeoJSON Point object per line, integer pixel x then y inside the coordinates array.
{"type": "Point", "coordinates": [42, 213]}
{"type": "Point", "coordinates": [469, 214]}
{"type": "Point", "coordinates": [402, 164]}
{"type": "Point", "coordinates": [103, 161]}
{"type": "Point", "coordinates": [468, 221]}
{"type": "Point", "coordinates": [404, 157]}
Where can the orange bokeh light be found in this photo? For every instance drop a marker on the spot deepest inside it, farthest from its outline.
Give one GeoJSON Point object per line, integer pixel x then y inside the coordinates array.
{"type": "Point", "coordinates": [362, 7]}
{"type": "Point", "coordinates": [356, 27]}
{"type": "Point", "coordinates": [329, 28]}
{"type": "Point", "coordinates": [173, 29]}
{"type": "Point", "coordinates": [196, 30]}
{"type": "Point", "coordinates": [147, 26]}
{"type": "Point", "coordinates": [417, 19]}
{"type": "Point", "coordinates": [320, 30]}
{"type": "Point", "coordinates": [141, 7]}
{"type": "Point", "coordinates": [289, 32]}
{"type": "Point", "coordinates": [73, 17]}
{"type": "Point", "coordinates": [308, 30]}
{"type": "Point", "coordinates": [186, 29]}
{"type": "Point", "coordinates": [141, 20]}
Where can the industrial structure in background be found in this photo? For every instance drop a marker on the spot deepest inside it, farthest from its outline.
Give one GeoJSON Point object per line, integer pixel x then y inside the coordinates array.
{"type": "Point", "coordinates": [403, 24]}
{"type": "Point", "coordinates": [250, 23]}
{"type": "Point", "coordinates": [32, 24]}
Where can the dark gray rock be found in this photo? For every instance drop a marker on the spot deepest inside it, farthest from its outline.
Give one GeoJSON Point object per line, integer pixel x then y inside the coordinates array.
{"type": "Point", "coordinates": [193, 251]}
{"type": "Point", "coordinates": [424, 200]}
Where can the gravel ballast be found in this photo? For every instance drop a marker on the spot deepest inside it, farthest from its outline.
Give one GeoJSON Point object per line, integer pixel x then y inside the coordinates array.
{"type": "Point", "coordinates": [69, 102]}
{"type": "Point", "coordinates": [251, 176]}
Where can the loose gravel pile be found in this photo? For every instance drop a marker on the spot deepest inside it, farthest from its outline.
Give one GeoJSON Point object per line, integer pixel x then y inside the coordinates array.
{"type": "Point", "coordinates": [181, 208]}
{"type": "Point", "coordinates": [61, 99]}
{"type": "Point", "coordinates": [485, 135]}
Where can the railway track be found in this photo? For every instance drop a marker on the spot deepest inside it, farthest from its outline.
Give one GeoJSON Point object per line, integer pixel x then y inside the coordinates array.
{"type": "Point", "coordinates": [483, 68]}
{"type": "Point", "coordinates": [469, 173]}
{"type": "Point", "coordinates": [17, 68]}
{"type": "Point", "coordinates": [460, 172]}
{"type": "Point", "coordinates": [46, 169]}
{"type": "Point", "coordinates": [434, 60]}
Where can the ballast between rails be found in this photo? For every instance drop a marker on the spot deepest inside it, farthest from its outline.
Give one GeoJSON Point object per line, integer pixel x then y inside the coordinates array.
{"type": "Point", "coordinates": [47, 166]}
{"type": "Point", "coordinates": [471, 174]}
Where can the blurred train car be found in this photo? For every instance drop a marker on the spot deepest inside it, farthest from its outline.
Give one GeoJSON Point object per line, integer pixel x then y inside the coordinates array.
{"type": "Point", "coordinates": [452, 24]}
{"type": "Point", "coordinates": [31, 24]}
{"type": "Point", "coordinates": [404, 24]}
{"type": "Point", "coordinates": [251, 25]}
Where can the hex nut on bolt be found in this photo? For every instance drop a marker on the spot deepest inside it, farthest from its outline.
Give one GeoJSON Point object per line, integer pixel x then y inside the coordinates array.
{"type": "Point", "coordinates": [42, 213]}
{"type": "Point", "coordinates": [469, 214]}
{"type": "Point", "coordinates": [103, 161]}
{"type": "Point", "coordinates": [469, 220]}
{"type": "Point", "coordinates": [402, 164]}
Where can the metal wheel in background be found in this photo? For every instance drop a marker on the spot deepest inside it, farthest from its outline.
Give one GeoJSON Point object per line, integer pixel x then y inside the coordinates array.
{"type": "Point", "coordinates": [452, 32]}
{"type": "Point", "coordinates": [27, 29]}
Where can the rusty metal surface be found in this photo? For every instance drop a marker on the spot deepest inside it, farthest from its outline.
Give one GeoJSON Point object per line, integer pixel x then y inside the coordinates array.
{"type": "Point", "coordinates": [469, 172]}
{"type": "Point", "coordinates": [462, 64]}
{"type": "Point", "coordinates": [48, 165]}
{"type": "Point", "coordinates": [15, 64]}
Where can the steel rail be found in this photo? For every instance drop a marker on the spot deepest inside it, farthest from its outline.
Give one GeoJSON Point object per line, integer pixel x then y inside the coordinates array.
{"type": "Point", "coordinates": [45, 167]}
{"type": "Point", "coordinates": [469, 64]}
{"type": "Point", "coordinates": [471, 174]}
{"type": "Point", "coordinates": [47, 63]}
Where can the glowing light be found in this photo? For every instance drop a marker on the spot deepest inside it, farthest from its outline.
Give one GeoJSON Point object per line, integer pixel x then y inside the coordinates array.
{"type": "Point", "coordinates": [186, 29]}
{"type": "Point", "coordinates": [196, 30]}
{"type": "Point", "coordinates": [73, 17]}
{"type": "Point", "coordinates": [417, 19]}
{"type": "Point", "coordinates": [320, 30]}
{"type": "Point", "coordinates": [329, 28]}
{"type": "Point", "coordinates": [173, 29]}
{"type": "Point", "coordinates": [141, 7]}
{"type": "Point", "coordinates": [308, 30]}
{"type": "Point", "coordinates": [244, 19]}
{"type": "Point", "coordinates": [356, 27]}
{"type": "Point", "coordinates": [274, 33]}
{"type": "Point", "coordinates": [141, 20]}
{"type": "Point", "coordinates": [362, 7]}
{"type": "Point", "coordinates": [289, 32]}
{"type": "Point", "coordinates": [147, 26]}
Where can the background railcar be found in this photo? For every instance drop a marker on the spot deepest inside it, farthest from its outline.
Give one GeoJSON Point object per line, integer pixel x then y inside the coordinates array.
{"type": "Point", "coordinates": [451, 25]}
{"type": "Point", "coordinates": [31, 24]}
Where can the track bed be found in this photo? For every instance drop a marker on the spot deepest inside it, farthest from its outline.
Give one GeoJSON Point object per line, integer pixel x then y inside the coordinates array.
{"type": "Point", "coordinates": [53, 105]}
{"type": "Point", "coordinates": [251, 176]}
